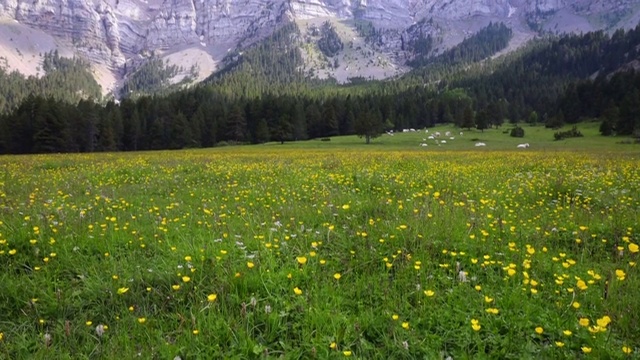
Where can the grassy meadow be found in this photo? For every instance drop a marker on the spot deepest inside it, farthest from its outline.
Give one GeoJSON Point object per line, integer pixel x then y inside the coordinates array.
{"type": "Point", "coordinates": [325, 250]}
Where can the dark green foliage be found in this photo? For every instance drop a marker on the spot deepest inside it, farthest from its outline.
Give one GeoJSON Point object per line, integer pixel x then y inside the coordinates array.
{"type": "Point", "coordinates": [517, 132]}
{"type": "Point", "coordinates": [152, 77]}
{"type": "Point", "coordinates": [573, 133]}
{"type": "Point", "coordinates": [479, 46]}
{"type": "Point", "coordinates": [64, 79]}
{"type": "Point", "coordinates": [329, 42]}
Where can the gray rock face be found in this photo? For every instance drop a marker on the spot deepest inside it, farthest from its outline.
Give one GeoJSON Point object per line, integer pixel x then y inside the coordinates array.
{"type": "Point", "coordinates": [113, 31]}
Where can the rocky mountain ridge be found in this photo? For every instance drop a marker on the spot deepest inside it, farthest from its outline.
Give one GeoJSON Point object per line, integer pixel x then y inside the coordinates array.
{"type": "Point", "coordinates": [116, 35]}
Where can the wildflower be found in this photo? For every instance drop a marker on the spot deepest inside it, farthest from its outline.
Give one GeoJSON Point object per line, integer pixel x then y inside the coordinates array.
{"type": "Point", "coordinates": [539, 330]}
{"type": "Point", "coordinates": [559, 344]}
{"type": "Point", "coordinates": [586, 349]}
{"type": "Point", "coordinates": [142, 320]}
{"type": "Point", "coordinates": [604, 321]}
{"type": "Point", "coordinates": [475, 325]}
{"type": "Point", "coordinates": [620, 274]}
{"type": "Point", "coordinates": [405, 325]}
{"type": "Point", "coordinates": [196, 332]}
{"type": "Point", "coordinates": [478, 287]}
{"type": "Point", "coordinates": [576, 305]}
{"type": "Point", "coordinates": [567, 332]}
{"type": "Point", "coordinates": [346, 207]}
{"type": "Point", "coordinates": [493, 311]}
{"type": "Point", "coordinates": [301, 260]}
{"type": "Point", "coordinates": [429, 293]}
{"type": "Point", "coordinates": [100, 330]}
{"type": "Point", "coordinates": [186, 279]}
{"type": "Point", "coordinates": [633, 248]}
{"type": "Point", "coordinates": [297, 291]}
{"type": "Point", "coordinates": [582, 285]}
{"type": "Point", "coordinates": [212, 297]}
{"type": "Point", "coordinates": [175, 287]}
{"type": "Point", "coordinates": [488, 299]}
{"type": "Point", "coordinates": [583, 322]}
{"type": "Point", "coordinates": [250, 265]}
{"type": "Point", "coordinates": [346, 352]}
{"type": "Point", "coordinates": [89, 322]}
{"type": "Point", "coordinates": [122, 290]}
{"type": "Point", "coordinates": [337, 276]}
{"type": "Point", "coordinates": [395, 316]}
{"type": "Point", "coordinates": [333, 345]}
{"type": "Point", "coordinates": [626, 350]}
{"type": "Point", "coordinates": [13, 251]}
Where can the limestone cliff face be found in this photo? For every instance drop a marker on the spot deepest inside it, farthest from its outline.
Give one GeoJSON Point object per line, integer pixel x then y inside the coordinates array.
{"type": "Point", "coordinates": [114, 31]}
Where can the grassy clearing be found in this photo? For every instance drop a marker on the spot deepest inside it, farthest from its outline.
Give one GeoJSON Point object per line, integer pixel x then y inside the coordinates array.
{"type": "Point", "coordinates": [273, 252]}
{"type": "Point", "coordinates": [539, 137]}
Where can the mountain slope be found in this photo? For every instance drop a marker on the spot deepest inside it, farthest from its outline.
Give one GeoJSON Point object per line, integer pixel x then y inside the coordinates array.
{"type": "Point", "coordinates": [119, 35]}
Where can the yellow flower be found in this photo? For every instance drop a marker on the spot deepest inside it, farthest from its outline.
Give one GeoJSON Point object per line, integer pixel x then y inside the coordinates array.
{"type": "Point", "coordinates": [250, 265]}
{"type": "Point", "coordinates": [488, 299]}
{"type": "Point", "coordinates": [122, 290]}
{"type": "Point", "coordinates": [346, 352]}
{"type": "Point", "coordinates": [493, 311]}
{"type": "Point", "coordinates": [625, 349]}
{"type": "Point", "coordinates": [478, 287]}
{"type": "Point", "coordinates": [567, 332]}
{"type": "Point", "coordinates": [405, 325]}
{"type": "Point", "coordinates": [511, 272]}
{"type": "Point", "coordinates": [301, 260]}
{"type": "Point", "coordinates": [346, 207]}
{"type": "Point", "coordinates": [337, 276]}
{"type": "Point", "coordinates": [333, 345]}
{"type": "Point", "coordinates": [576, 305]}
{"type": "Point", "coordinates": [187, 258]}
{"type": "Point", "coordinates": [539, 330]}
{"type": "Point", "coordinates": [475, 325]}
{"type": "Point", "coordinates": [175, 287]}
{"type": "Point", "coordinates": [586, 349]}
{"type": "Point", "coordinates": [429, 293]}
{"type": "Point", "coordinates": [395, 316]}
{"type": "Point", "coordinates": [584, 322]}
{"type": "Point", "coordinates": [604, 321]}
{"type": "Point", "coordinates": [13, 251]}
{"type": "Point", "coordinates": [88, 323]}
{"type": "Point", "coordinates": [212, 297]}
{"type": "Point", "coordinates": [620, 274]}
{"type": "Point", "coordinates": [186, 279]}
{"type": "Point", "coordinates": [582, 285]}
{"type": "Point", "coordinates": [297, 291]}
{"type": "Point", "coordinates": [633, 248]}
{"type": "Point", "coordinates": [559, 344]}
{"type": "Point", "coordinates": [196, 332]}
{"type": "Point", "coordinates": [142, 320]}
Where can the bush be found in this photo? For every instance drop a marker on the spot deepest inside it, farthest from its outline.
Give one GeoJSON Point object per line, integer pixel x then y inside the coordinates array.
{"type": "Point", "coordinates": [573, 133]}
{"type": "Point", "coordinates": [517, 132]}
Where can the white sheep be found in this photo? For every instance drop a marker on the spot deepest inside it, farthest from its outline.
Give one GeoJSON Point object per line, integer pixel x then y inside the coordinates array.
{"type": "Point", "coordinates": [452, 138]}
{"type": "Point", "coordinates": [423, 145]}
{"type": "Point", "coordinates": [461, 133]}
{"type": "Point", "coordinates": [405, 130]}
{"type": "Point", "coordinates": [448, 133]}
{"type": "Point", "coordinates": [443, 141]}
{"type": "Point", "coordinates": [523, 146]}
{"type": "Point", "coordinates": [481, 144]}
{"type": "Point", "coordinates": [431, 137]}
{"type": "Point", "coordinates": [437, 134]}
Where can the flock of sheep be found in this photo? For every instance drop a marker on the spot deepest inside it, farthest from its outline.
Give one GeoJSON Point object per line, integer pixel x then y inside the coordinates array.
{"type": "Point", "coordinates": [441, 139]}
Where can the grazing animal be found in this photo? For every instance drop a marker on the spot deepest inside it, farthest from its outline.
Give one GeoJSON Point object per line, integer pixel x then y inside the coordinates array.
{"type": "Point", "coordinates": [448, 133]}
{"type": "Point", "coordinates": [430, 137]}
{"type": "Point", "coordinates": [423, 144]}
{"type": "Point", "coordinates": [461, 133]}
{"type": "Point", "coordinates": [437, 134]}
{"type": "Point", "coordinates": [523, 146]}
{"type": "Point", "coordinates": [481, 144]}
{"type": "Point", "coordinates": [452, 138]}
{"type": "Point", "coordinates": [443, 141]}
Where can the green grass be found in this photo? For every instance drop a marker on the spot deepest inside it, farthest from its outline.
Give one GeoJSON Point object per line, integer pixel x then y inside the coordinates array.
{"type": "Point", "coordinates": [539, 137]}
{"type": "Point", "coordinates": [140, 242]}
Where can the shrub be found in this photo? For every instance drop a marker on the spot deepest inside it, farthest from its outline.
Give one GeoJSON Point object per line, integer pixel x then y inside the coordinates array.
{"type": "Point", "coordinates": [573, 133]}
{"type": "Point", "coordinates": [517, 132]}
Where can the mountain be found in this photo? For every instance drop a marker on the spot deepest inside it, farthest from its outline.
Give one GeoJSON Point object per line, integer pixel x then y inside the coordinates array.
{"type": "Point", "coordinates": [377, 37]}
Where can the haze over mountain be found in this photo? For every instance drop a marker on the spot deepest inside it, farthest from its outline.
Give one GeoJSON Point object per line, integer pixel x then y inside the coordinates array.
{"type": "Point", "coordinates": [116, 36]}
